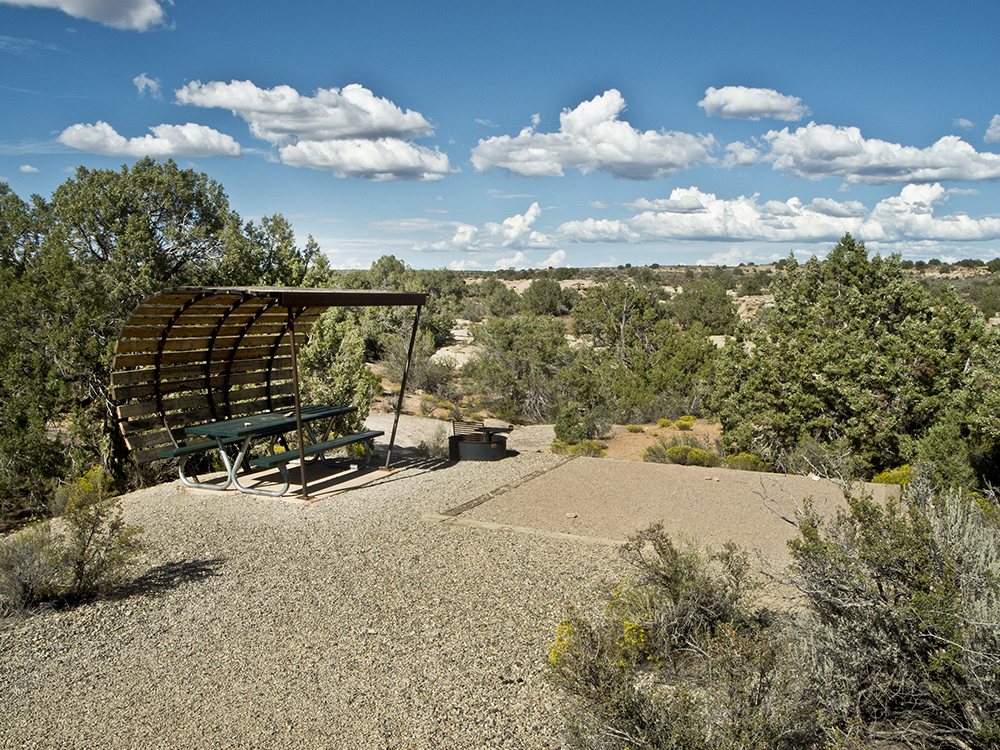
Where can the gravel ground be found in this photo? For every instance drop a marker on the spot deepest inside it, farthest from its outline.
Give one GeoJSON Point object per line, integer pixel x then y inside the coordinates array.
{"type": "Point", "coordinates": [346, 623]}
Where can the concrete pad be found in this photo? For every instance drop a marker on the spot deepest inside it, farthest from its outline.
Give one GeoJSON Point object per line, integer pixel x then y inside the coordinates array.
{"type": "Point", "coordinates": [609, 499]}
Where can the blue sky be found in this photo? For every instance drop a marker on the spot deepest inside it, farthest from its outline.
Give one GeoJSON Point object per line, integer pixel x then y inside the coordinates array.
{"type": "Point", "coordinates": [532, 134]}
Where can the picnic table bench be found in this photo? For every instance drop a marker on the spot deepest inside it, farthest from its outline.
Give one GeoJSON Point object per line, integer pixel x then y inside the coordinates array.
{"type": "Point", "coordinates": [192, 364]}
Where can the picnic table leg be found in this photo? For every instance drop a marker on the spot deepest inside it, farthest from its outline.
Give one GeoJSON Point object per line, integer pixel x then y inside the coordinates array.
{"type": "Point", "coordinates": [194, 483]}
{"type": "Point", "coordinates": [234, 474]}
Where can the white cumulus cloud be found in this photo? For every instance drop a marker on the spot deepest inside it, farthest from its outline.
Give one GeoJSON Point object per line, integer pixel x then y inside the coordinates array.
{"type": "Point", "coordinates": [556, 259]}
{"type": "Point", "coordinates": [591, 138]}
{"type": "Point", "coordinates": [684, 204]}
{"type": "Point", "coordinates": [742, 103]}
{"type": "Point", "coordinates": [597, 230]}
{"type": "Point", "coordinates": [130, 15]}
{"type": "Point", "coordinates": [144, 83]}
{"type": "Point", "coordinates": [740, 155]}
{"type": "Point", "coordinates": [911, 216]}
{"type": "Point", "coordinates": [282, 115]}
{"type": "Point", "coordinates": [993, 131]}
{"type": "Point", "coordinates": [349, 131]}
{"type": "Point", "coordinates": [513, 232]}
{"type": "Point", "coordinates": [692, 215]}
{"type": "Point", "coordinates": [744, 218]}
{"type": "Point", "coordinates": [188, 140]}
{"type": "Point", "coordinates": [818, 151]}
{"type": "Point", "coordinates": [519, 260]}
{"type": "Point", "coordinates": [379, 160]}
{"type": "Point", "coordinates": [28, 169]}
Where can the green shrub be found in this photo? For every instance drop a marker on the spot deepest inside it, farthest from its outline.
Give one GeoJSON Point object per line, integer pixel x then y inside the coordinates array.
{"type": "Point", "coordinates": [686, 453]}
{"type": "Point", "coordinates": [634, 428]}
{"type": "Point", "coordinates": [436, 445]}
{"type": "Point", "coordinates": [679, 659]}
{"type": "Point", "coordinates": [85, 552]}
{"type": "Point", "coordinates": [427, 405]}
{"type": "Point", "coordinates": [896, 644]}
{"type": "Point", "coordinates": [810, 456]}
{"type": "Point", "coordinates": [684, 423]}
{"type": "Point", "coordinates": [665, 423]}
{"type": "Point", "coordinates": [587, 448]}
{"type": "Point", "coordinates": [29, 568]}
{"type": "Point", "coordinates": [569, 427]}
{"type": "Point", "coordinates": [747, 462]}
{"type": "Point", "coordinates": [904, 609]}
{"type": "Point", "coordinates": [899, 475]}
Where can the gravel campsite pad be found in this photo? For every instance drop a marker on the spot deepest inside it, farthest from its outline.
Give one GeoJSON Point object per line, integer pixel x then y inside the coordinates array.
{"type": "Point", "coordinates": [345, 623]}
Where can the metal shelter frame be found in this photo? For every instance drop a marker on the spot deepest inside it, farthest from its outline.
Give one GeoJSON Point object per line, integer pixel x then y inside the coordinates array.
{"type": "Point", "coordinates": [200, 354]}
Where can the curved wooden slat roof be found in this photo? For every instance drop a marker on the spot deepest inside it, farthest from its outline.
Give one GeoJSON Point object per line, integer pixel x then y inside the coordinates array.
{"type": "Point", "coordinates": [197, 354]}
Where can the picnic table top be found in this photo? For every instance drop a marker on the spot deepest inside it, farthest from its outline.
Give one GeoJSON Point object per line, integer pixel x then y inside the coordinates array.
{"type": "Point", "coordinates": [265, 423]}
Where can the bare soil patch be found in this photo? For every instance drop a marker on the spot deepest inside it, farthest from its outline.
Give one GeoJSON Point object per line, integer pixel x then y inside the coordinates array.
{"type": "Point", "coordinates": [630, 446]}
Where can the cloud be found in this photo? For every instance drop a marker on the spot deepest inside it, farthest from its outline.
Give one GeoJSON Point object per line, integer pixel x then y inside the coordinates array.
{"type": "Point", "coordinates": [740, 155]}
{"type": "Point", "coordinates": [685, 204]}
{"type": "Point", "coordinates": [993, 131]}
{"type": "Point", "coordinates": [591, 138]}
{"type": "Point", "coordinates": [152, 84]}
{"type": "Point", "coordinates": [18, 46]}
{"type": "Point", "coordinates": [743, 218]}
{"type": "Point", "coordinates": [129, 15]}
{"type": "Point", "coordinates": [556, 259]}
{"type": "Point", "coordinates": [281, 115]}
{"type": "Point", "coordinates": [741, 103]}
{"type": "Point", "coordinates": [692, 215]}
{"type": "Point", "coordinates": [350, 131]}
{"type": "Point", "coordinates": [514, 232]}
{"type": "Point", "coordinates": [380, 160]}
{"type": "Point", "coordinates": [961, 122]}
{"type": "Point", "coordinates": [487, 123]}
{"type": "Point", "coordinates": [465, 264]}
{"type": "Point", "coordinates": [818, 151]}
{"type": "Point", "coordinates": [845, 210]}
{"type": "Point", "coordinates": [597, 204]}
{"type": "Point", "coordinates": [520, 260]}
{"type": "Point", "coordinates": [597, 230]}
{"type": "Point", "coordinates": [28, 169]}
{"type": "Point", "coordinates": [188, 140]}
{"type": "Point", "coordinates": [911, 216]}
{"type": "Point", "coordinates": [494, 193]}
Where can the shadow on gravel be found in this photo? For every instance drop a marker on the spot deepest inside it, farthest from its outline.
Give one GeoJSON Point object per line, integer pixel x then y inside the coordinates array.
{"type": "Point", "coordinates": [421, 464]}
{"type": "Point", "coordinates": [162, 578]}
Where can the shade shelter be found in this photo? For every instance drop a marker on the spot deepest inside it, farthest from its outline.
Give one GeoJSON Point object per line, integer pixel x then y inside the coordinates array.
{"type": "Point", "coordinates": [202, 354]}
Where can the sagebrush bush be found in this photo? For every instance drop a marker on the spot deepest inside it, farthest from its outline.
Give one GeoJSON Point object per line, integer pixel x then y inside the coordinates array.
{"type": "Point", "coordinates": [903, 620]}
{"type": "Point", "coordinates": [85, 552]}
{"type": "Point", "coordinates": [686, 452]}
{"type": "Point", "coordinates": [896, 644]}
{"type": "Point", "coordinates": [679, 659]}
{"type": "Point", "coordinates": [587, 448]}
{"type": "Point", "coordinates": [825, 459]}
{"type": "Point", "coordinates": [436, 444]}
{"type": "Point", "coordinates": [747, 462]}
